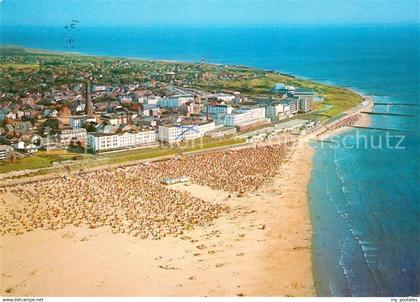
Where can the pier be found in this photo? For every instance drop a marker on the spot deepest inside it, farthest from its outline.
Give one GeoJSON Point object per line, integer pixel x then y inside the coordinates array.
{"type": "Point", "coordinates": [388, 113]}
{"type": "Point", "coordinates": [396, 104]}
{"type": "Point", "coordinates": [323, 141]}
{"type": "Point", "coordinates": [378, 128]}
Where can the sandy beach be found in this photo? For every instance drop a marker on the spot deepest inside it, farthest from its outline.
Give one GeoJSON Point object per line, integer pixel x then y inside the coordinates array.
{"type": "Point", "coordinates": [260, 246]}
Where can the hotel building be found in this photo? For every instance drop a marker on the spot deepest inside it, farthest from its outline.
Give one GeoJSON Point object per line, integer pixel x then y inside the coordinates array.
{"type": "Point", "coordinates": [244, 116]}
{"type": "Point", "coordinates": [66, 136]}
{"type": "Point", "coordinates": [176, 133]}
{"type": "Point", "coordinates": [99, 142]}
{"type": "Point", "coordinates": [175, 101]}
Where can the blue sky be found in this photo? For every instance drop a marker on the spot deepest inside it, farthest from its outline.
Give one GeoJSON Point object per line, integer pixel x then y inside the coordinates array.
{"type": "Point", "coordinates": [207, 12]}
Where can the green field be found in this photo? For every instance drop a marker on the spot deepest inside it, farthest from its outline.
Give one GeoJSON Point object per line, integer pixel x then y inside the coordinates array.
{"type": "Point", "coordinates": [19, 66]}
{"type": "Point", "coordinates": [46, 159]}
{"type": "Point", "coordinates": [150, 153]}
{"type": "Point", "coordinates": [340, 99]}
{"type": "Point", "coordinates": [39, 160]}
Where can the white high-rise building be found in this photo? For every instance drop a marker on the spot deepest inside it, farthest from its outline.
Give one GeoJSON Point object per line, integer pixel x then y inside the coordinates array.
{"type": "Point", "coordinates": [78, 121]}
{"type": "Point", "coordinates": [66, 136]}
{"type": "Point", "coordinates": [105, 142]}
{"type": "Point", "coordinates": [176, 133]}
{"type": "Point", "coordinates": [274, 111]}
{"type": "Point", "coordinates": [244, 116]}
{"type": "Point", "coordinates": [175, 101]}
{"type": "Point", "coordinates": [218, 109]}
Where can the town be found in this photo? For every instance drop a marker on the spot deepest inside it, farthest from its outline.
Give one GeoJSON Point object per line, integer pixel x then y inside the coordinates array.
{"type": "Point", "coordinates": [96, 105]}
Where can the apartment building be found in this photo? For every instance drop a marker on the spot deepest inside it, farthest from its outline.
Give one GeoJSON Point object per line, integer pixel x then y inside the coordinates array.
{"type": "Point", "coordinates": [175, 101]}
{"type": "Point", "coordinates": [244, 116]}
{"type": "Point", "coordinates": [99, 142]}
{"type": "Point", "coordinates": [182, 132]}
{"type": "Point", "coordinates": [66, 136]}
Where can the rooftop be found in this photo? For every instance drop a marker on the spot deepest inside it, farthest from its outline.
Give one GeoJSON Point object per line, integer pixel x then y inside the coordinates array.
{"type": "Point", "coordinates": [100, 134]}
{"type": "Point", "coordinates": [304, 91]}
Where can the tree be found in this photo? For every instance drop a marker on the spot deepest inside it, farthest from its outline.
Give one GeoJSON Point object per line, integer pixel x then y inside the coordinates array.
{"type": "Point", "coordinates": [90, 126]}
{"type": "Point", "coordinates": [27, 118]}
{"type": "Point", "coordinates": [53, 123]}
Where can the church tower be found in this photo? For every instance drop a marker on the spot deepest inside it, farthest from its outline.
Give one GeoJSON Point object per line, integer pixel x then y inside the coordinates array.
{"type": "Point", "coordinates": [89, 105]}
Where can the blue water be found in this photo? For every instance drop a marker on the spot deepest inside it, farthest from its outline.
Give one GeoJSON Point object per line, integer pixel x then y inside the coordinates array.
{"type": "Point", "coordinates": [364, 202]}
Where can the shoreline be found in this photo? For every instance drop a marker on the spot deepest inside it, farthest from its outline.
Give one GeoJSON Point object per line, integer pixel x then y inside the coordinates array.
{"type": "Point", "coordinates": [275, 236]}
{"type": "Point", "coordinates": [281, 72]}
{"type": "Point", "coordinates": [363, 120]}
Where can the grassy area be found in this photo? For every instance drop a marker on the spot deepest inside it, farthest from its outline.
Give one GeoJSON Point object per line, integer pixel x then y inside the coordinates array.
{"type": "Point", "coordinates": [20, 66]}
{"type": "Point", "coordinates": [34, 162]}
{"type": "Point", "coordinates": [46, 159]}
{"type": "Point", "coordinates": [340, 99]}
{"type": "Point", "coordinates": [149, 153]}
{"type": "Point", "coordinates": [40, 160]}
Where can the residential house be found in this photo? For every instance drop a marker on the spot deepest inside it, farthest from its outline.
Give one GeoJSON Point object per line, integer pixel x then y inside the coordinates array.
{"type": "Point", "coordinates": [19, 145]}
{"type": "Point", "coordinates": [9, 129]}
{"type": "Point", "coordinates": [5, 151]}
{"type": "Point", "coordinates": [24, 128]}
{"type": "Point", "coordinates": [64, 111]}
{"type": "Point", "coordinates": [7, 114]}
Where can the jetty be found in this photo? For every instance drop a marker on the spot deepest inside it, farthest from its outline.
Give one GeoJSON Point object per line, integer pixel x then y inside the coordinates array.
{"type": "Point", "coordinates": [395, 104]}
{"type": "Point", "coordinates": [378, 128]}
{"type": "Point", "coordinates": [388, 113]}
{"type": "Point", "coordinates": [323, 141]}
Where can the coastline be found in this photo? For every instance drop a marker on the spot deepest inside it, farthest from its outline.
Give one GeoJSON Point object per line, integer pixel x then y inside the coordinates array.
{"type": "Point", "coordinates": [327, 134]}
{"type": "Point", "coordinates": [275, 238]}
{"type": "Point", "coordinates": [362, 120]}
{"type": "Point", "coordinates": [371, 171]}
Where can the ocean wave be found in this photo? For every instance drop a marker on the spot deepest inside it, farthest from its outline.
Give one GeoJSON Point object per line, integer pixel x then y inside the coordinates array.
{"type": "Point", "coordinates": [369, 259]}
{"type": "Point", "coordinates": [347, 272]}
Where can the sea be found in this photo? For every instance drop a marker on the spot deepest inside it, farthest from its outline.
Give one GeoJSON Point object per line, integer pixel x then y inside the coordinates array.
{"type": "Point", "coordinates": [364, 193]}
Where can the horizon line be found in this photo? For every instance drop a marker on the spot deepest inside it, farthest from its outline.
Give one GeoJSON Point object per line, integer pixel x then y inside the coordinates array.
{"type": "Point", "coordinates": [227, 25]}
